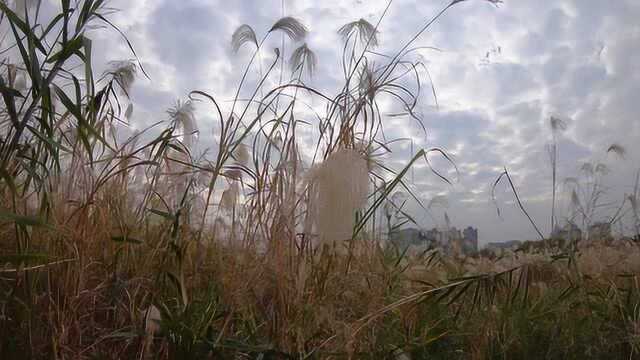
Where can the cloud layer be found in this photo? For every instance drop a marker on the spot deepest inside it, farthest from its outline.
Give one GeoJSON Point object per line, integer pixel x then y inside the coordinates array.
{"type": "Point", "coordinates": [499, 75]}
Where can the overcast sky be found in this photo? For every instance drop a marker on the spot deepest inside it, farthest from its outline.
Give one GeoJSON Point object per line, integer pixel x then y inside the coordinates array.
{"type": "Point", "coordinates": [501, 73]}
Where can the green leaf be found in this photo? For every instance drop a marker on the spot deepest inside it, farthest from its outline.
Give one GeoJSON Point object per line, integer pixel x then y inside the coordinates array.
{"type": "Point", "coordinates": [87, 66]}
{"type": "Point", "coordinates": [83, 17]}
{"type": "Point", "coordinates": [23, 220]}
{"type": "Point", "coordinates": [53, 144]}
{"type": "Point", "coordinates": [385, 193]}
{"type": "Point", "coordinates": [174, 280]}
{"type": "Point", "coordinates": [122, 335]}
{"type": "Point", "coordinates": [8, 95]}
{"type": "Point", "coordinates": [17, 21]}
{"type": "Point", "coordinates": [83, 125]}
{"type": "Point", "coordinates": [5, 90]}
{"type": "Point", "coordinates": [34, 73]}
{"type": "Point", "coordinates": [164, 214]}
{"type": "Point", "coordinates": [70, 48]}
{"type": "Point", "coordinates": [51, 25]}
{"type": "Point", "coordinates": [66, 101]}
{"type": "Point", "coordinates": [126, 239]}
{"type": "Point", "coordinates": [17, 259]}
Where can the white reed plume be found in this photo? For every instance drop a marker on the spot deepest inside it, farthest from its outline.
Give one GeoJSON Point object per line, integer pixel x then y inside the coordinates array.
{"type": "Point", "coordinates": [19, 79]}
{"type": "Point", "coordinates": [243, 34]}
{"type": "Point", "coordinates": [363, 29]}
{"type": "Point", "coordinates": [152, 319]}
{"type": "Point", "coordinates": [12, 70]}
{"type": "Point", "coordinates": [618, 150]}
{"type": "Point", "coordinates": [124, 74]}
{"type": "Point", "coordinates": [303, 58]}
{"type": "Point", "coordinates": [557, 124]}
{"type": "Point", "coordinates": [340, 185]}
{"type": "Point", "coordinates": [21, 83]}
{"type": "Point", "coordinates": [229, 197]}
{"type": "Point", "coordinates": [183, 117]}
{"type": "Point", "coordinates": [292, 27]}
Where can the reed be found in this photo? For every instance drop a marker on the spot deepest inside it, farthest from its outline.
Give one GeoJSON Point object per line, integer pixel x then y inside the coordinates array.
{"type": "Point", "coordinates": [139, 246]}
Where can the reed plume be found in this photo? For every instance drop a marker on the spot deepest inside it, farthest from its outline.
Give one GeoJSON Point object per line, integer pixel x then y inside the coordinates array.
{"type": "Point", "coordinates": [341, 188]}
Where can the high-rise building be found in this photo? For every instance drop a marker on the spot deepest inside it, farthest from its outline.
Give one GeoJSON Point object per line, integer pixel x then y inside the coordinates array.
{"type": "Point", "coordinates": [570, 232]}
{"type": "Point", "coordinates": [470, 240]}
{"type": "Point", "coordinates": [449, 240]}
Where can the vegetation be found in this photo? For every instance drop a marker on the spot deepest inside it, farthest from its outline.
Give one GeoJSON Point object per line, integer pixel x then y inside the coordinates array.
{"type": "Point", "coordinates": [117, 246]}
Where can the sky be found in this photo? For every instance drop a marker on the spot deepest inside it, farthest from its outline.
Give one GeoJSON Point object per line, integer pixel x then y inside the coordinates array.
{"type": "Point", "coordinates": [499, 73]}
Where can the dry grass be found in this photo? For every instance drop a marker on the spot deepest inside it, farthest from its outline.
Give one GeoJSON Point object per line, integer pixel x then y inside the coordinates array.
{"type": "Point", "coordinates": [262, 251]}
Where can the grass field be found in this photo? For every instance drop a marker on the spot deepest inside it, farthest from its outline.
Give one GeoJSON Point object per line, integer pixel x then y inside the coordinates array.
{"type": "Point", "coordinates": [117, 244]}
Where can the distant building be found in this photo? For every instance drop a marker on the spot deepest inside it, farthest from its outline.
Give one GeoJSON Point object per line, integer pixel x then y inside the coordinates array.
{"type": "Point", "coordinates": [600, 231]}
{"type": "Point", "coordinates": [470, 240]}
{"type": "Point", "coordinates": [569, 232]}
{"type": "Point", "coordinates": [409, 237]}
{"type": "Point", "coordinates": [451, 240]}
{"type": "Point", "coordinates": [453, 235]}
{"type": "Point", "coordinates": [500, 246]}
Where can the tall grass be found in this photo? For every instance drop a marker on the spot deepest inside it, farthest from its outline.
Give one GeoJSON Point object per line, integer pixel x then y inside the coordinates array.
{"type": "Point", "coordinates": [117, 246]}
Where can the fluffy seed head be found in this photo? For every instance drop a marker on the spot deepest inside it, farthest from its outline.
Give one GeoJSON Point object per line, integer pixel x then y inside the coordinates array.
{"type": "Point", "coordinates": [341, 187]}
{"type": "Point", "coordinates": [557, 124]}
{"type": "Point", "coordinates": [183, 117]}
{"type": "Point", "coordinates": [229, 197]}
{"type": "Point", "coordinates": [152, 320]}
{"type": "Point", "coordinates": [12, 70]}
{"type": "Point", "coordinates": [292, 27]}
{"type": "Point", "coordinates": [303, 58]}
{"type": "Point", "coordinates": [243, 34]}
{"type": "Point", "coordinates": [124, 74]}
{"type": "Point", "coordinates": [362, 29]}
{"type": "Point", "coordinates": [618, 150]}
{"type": "Point", "coordinates": [20, 83]}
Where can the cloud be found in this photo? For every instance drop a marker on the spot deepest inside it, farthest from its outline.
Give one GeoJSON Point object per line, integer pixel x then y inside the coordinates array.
{"type": "Point", "coordinates": [500, 74]}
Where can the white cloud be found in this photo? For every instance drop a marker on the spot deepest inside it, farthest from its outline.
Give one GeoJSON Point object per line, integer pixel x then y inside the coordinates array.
{"type": "Point", "coordinates": [501, 74]}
